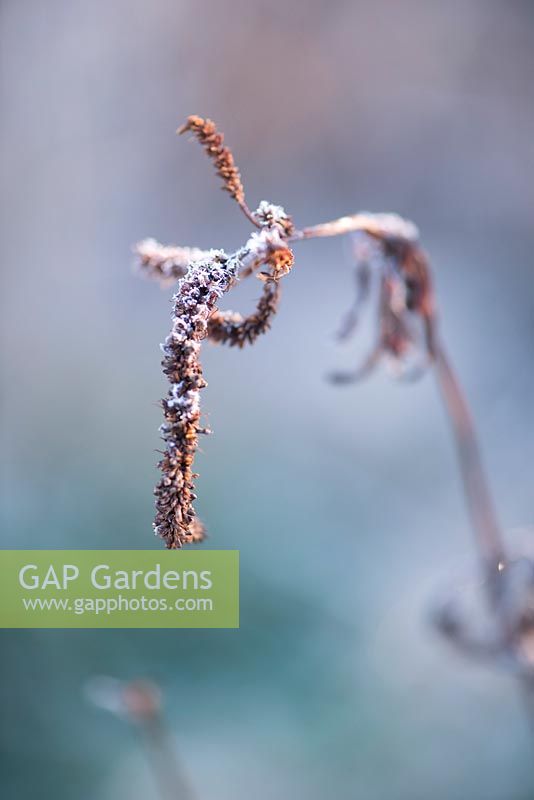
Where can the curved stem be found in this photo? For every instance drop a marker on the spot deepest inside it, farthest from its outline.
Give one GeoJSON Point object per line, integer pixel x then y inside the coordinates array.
{"type": "Point", "coordinates": [377, 225]}
{"type": "Point", "coordinates": [478, 495]}
{"type": "Point", "coordinates": [337, 227]}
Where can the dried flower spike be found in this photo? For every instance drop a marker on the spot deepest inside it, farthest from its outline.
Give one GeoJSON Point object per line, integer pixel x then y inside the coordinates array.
{"type": "Point", "coordinates": [399, 268]}
{"type": "Point", "coordinates": [265, 248]}
{"type": "Point", "coordinates": [195, 316]}
{"type": "Point", "coordinates": [229, 327]}
{"type": "Point", "coordinates": [197, 294]}
{"type": "Point", "coordinates": [209, 137]}
{"type": "Point", "coordinates": [165, 263]}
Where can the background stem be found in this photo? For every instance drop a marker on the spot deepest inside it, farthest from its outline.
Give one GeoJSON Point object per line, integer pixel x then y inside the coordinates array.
{"type": "Point", "coordinates": [477, 492]}
{"type": "Point", "coordinates": [166, 769]}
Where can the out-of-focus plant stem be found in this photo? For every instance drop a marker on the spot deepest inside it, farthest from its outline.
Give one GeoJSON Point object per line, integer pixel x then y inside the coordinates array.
{"type": "Point", "coordinates": [478, 496]}
{"type": "Point", "coordinates": [139, 703]}
{"type": "Point", "coordinates": [164, 762]}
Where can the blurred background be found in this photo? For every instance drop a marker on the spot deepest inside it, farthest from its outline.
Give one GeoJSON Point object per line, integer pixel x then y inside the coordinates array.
{"type": "Point", "coordinates": [345, 503]}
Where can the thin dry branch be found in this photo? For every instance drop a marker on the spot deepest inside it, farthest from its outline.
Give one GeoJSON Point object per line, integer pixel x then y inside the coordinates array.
{"type": "Point", "coordinates": [381, 226]}
{"type": "Point", "coordinates": [478, 495]}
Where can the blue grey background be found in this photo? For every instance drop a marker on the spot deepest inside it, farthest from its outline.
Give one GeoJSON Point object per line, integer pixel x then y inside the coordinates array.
{"type": "Point", "coordinates": [345, 504]}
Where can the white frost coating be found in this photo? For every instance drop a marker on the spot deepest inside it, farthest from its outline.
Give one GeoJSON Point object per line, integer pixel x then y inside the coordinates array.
{"type": "Point", "coordinates": [168, 264]}
{"type": "Point", "coordinates": [270, 216]}
{"type": "Point", "coordinates": [386, 226]}
{"type": "Point", "coordinates": [390, 226]}
{"type": "Point", "coordinates": [205, 281]}
{"type": "Point", "coordinates": [264, 241]}
{"type": "Point", "coordinates": [258, 247]}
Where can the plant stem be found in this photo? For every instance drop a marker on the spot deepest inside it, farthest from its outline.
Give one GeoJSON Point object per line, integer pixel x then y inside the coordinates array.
{"type": "Point", "coordinates": [478, 496]}
{"type": "Point", "coordinates": [163, 760]}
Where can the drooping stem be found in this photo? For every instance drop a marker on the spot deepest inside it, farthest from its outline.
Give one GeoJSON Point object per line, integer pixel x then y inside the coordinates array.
{"type": "Point", "coordinates": [163, 760]}
{"type": "Point", "coordinates": [479, 500]}
{"type": "Point", "coordinates": [478, 496]}
{"type": "Point", "coordinates": [139, 702]}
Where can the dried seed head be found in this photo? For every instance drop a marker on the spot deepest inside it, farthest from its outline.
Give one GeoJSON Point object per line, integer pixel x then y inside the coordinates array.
{"type": "Point", "coordinates": [207, 134]}
{"type": "Point", "coordinates": [227, 327]}
{"type": "Point", "coordinates": [207, 277]}
{"type": "Point", "coordinates": [267, 248]}
{"type": "Point", "coordinates": [166, 263]}
{"type": "Point", "coordinates": [280, 262]}
{"type": "Point", "coordinates": [388, 255]}
{"type": "Point", "coordinates": [195, 300]}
